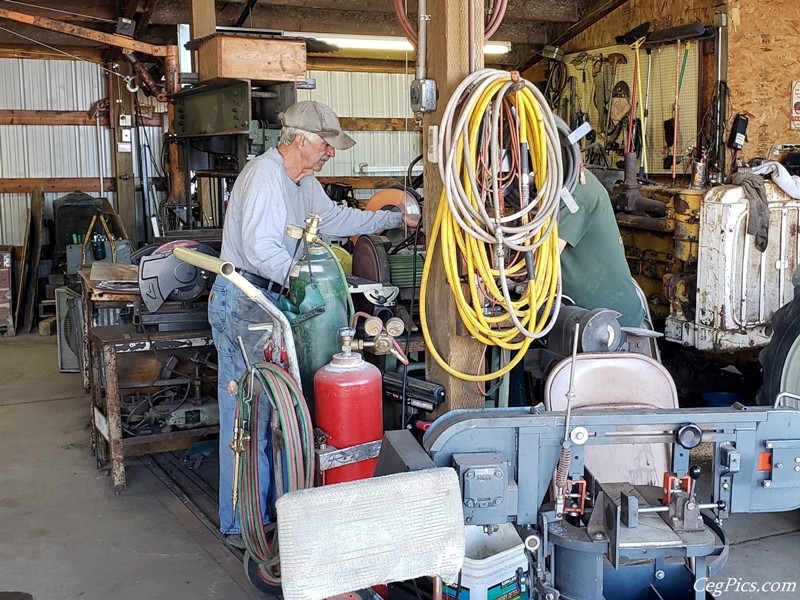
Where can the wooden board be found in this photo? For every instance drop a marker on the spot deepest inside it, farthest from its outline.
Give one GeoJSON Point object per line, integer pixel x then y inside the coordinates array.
{"type": "Point", "coordinates": [37, 227]}
{"type": "Point", "coordinates": [48, 326]}
{"type": "Point", "coordinates": [36, 51]}
{"type": "Point", "coordinates": [124, 174]}
{"type": "Point", "coordinates": [762, 61]}
{"type": "Point", "coordinates": [35, 248]}
{"type": "Point", "coordinates": [63, 117]}
{"type": "Point", "coordinates": [661, 15]}
{"type": "Point", "coordinates": [103, 271]}
{"type": "Point", "coordinates": [23, 185]}
{"type": "Point", "coordinates": [23, 272]}
{"type": "Point", "coordinates": [223, 56]}
{"type": "Point", "coordinates": [378, 124]}
{"type": "Point", "coordinates": [364, 182]}
{"type": "Point", "coordinates": [448, 65]}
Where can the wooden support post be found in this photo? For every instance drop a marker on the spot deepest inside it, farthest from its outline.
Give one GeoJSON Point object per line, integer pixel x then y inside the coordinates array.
{"type": "Point", "coordinates": [202, 22]}
{"type": "Point", "coordinates": [448, 65]}
{"type": "Point", "coordinates": [121, 103]}
{"type": "Point", "coordinates": [177, 177]}
{"type": "Point", "coordinates": [144, 20]}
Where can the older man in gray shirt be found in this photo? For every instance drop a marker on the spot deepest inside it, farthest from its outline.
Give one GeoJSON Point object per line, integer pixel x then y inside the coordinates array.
{"type": "Point", "coordinates": [274, 190]}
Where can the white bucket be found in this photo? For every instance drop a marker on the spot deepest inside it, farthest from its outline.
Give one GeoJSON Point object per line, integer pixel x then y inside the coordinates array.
{"type": "Point", "coordinates": [490, 566]}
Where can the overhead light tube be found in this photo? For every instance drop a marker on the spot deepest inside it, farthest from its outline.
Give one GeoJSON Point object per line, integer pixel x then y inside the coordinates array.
{"type": "Point", "coordinates": [382, 42]}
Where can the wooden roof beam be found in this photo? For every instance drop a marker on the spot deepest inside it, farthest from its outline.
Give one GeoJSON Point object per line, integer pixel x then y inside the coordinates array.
{"type": "Point", "coordinates": [518, 10]}
{"type": "Point", "coordinates": [592, 11]}
{"type": "Point", "coordinates": [286, 18]}
{"type": "Point", "coordinates": [109, 39]}
{"type": "Point", "coordinates": [143, 22]}
{"type": "Point", "coordinates": [12, 50]}
{"type": "Point", "coordinates": [78, 11]}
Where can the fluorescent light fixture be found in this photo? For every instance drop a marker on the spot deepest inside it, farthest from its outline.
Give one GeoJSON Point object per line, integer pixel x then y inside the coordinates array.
{"type": "Point", "coordinates": [383, 42]}
{"type": "Point", "coordinates": [497, 47]}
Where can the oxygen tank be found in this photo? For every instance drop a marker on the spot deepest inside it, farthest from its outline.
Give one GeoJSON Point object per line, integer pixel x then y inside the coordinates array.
{"type": "Point", "coordinates": [349, 409]}
{"type": "Point", "coordinates": [314, 284]}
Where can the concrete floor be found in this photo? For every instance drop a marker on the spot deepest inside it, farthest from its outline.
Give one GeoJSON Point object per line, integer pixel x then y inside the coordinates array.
{"type": "Point", "coordinates": [64, 535]}
{"type": "Point", "coordinates": [63, 532]}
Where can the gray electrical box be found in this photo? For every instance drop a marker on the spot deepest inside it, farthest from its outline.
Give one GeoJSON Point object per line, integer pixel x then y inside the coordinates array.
{"type": "Point", "coordinates": [423, 95]}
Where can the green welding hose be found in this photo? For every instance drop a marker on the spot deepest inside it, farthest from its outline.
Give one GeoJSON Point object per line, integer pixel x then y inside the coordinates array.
{"type": "Point", "coordinates": [293, 453]}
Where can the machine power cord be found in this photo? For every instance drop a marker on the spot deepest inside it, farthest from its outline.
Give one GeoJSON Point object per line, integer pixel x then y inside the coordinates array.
{"type": "Point", "coordinates": [488, 245]}
{"type": "Point", "coordinates": [293, 457]}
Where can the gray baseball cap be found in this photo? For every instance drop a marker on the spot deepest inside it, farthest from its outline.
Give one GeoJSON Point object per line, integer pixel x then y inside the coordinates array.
{"type": "Point", "coordinates": [318, 118]}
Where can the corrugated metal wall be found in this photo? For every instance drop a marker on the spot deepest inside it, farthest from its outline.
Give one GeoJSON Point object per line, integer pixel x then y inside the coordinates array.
{"type": "Point", "coordinates": [72, 151]}
{"type": "Point", "coordinates": [54, 151]}
{"type": "Point", "coordinates": [367, 95]}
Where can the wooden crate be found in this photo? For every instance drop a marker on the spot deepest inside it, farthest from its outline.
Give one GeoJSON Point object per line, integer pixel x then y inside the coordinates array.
{"type": "Point", "coordinates": [258, 59]}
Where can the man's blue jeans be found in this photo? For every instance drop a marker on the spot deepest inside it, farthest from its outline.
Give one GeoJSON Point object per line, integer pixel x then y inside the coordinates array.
{"type": "Point", "coordinates": [229, 313]}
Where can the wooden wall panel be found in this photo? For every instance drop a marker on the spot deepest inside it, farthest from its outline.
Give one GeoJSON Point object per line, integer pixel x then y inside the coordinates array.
{"type": "Point", "coordinates": [775, 17]}
{"type": "Point", "coordinates": [761, 66]}
{"type": "Point", "coordinates": [661, 15]}
{"type": "Point", "coordinates": [762, 57]}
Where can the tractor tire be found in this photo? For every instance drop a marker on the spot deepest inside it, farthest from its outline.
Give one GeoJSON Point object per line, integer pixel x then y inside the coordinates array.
{"type": "Point", "coordinates": [780, 360]}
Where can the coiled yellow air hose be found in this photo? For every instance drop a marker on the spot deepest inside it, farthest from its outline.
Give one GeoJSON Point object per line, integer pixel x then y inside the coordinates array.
{"type": "Point", "coordinates": [486, 242]}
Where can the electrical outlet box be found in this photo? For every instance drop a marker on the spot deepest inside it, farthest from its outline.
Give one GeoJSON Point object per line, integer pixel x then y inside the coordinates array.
{"type": "Point", "coordinates": [126, 27]}
{"type": "Point", "coordinates": [125, 120]}
{"type": "Point", "coordinates": [126, 135]}
{"type": "Point", "coordinates": [423, 95]}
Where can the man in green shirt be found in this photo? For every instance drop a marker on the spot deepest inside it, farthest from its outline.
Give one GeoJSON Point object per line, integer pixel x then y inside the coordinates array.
{"type": "Point", "coordinates": [594, 272]}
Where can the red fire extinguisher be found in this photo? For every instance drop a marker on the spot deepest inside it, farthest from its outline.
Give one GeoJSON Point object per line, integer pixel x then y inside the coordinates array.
{"type": "Point", "coordinates": [348, 406]}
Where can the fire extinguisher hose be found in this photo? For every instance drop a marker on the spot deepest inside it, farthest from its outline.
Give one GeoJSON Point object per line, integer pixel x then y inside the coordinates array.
{"type": "Point", "coordinates": [293, 457]}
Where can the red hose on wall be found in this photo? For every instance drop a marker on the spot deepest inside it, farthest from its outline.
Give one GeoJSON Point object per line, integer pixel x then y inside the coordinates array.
{"type": "Point", "coordinates": [491, 27]}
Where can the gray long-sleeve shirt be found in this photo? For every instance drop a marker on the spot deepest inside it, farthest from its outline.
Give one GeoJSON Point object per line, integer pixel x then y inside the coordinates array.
{"type": "Point", "coordinates": [265, 200]}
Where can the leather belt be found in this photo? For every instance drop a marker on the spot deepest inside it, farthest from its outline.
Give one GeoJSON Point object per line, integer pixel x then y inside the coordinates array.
{"type": "Point", "coordinates": [262, 282]}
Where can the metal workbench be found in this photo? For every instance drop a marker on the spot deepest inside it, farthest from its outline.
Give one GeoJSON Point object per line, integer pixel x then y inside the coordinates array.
{"type": "Point", "coordinates": [109, 345]}
{"type": "Point", "coordinates": [96, 297]}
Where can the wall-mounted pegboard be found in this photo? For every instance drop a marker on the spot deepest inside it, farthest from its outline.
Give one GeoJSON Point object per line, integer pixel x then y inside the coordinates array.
{"type": "Point", "coordinates": [666, 63]}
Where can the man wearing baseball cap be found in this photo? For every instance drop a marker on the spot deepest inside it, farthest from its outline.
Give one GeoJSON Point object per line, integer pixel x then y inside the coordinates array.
{"type": "Point", "coordinates": [274, 190]}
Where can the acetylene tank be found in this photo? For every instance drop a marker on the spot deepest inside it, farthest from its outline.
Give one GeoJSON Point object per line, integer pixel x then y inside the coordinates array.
{"type": "Point", "coordinates": [349, 409]}
{"type": "Point", "coordinates": [315, 282]}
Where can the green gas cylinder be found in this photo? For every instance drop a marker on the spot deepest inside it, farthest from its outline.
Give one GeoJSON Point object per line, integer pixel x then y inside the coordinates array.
{"type": "Point", "coordinates": [315, 282]}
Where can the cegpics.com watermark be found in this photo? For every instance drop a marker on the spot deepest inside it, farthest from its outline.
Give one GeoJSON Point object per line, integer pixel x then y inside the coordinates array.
{"type": "Point", "coordinates": [737, 584]}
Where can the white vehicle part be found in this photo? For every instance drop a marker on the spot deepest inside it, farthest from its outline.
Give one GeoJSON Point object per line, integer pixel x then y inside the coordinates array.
{"type": "Point", "coordinates": [738, 287]}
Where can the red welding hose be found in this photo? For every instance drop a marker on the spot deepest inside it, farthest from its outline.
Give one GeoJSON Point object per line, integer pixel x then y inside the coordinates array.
{"type": "Point", "coordinates": [495, 20]}
{"type": "Point", "coordinates": [632, 113]}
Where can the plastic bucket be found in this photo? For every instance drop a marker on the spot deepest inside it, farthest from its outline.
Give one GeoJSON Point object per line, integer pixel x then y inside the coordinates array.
{"type": "Point", "coordinates": [490, 566]}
